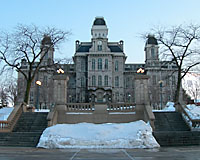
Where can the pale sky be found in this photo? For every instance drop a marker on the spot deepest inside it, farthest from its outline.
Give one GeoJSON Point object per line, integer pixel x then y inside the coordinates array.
{"type": "Point", "coordinates": [126, 19]}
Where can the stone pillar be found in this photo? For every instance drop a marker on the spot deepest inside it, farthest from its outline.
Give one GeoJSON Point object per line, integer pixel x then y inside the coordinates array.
{"type": "Point", "coordinates": [60, 89]}
{"type": "Point", "coordinates": [141, 89]}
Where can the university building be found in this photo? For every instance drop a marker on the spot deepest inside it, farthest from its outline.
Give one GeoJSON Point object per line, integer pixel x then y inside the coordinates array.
{"type": "Point", "coordinates": [100, 73]}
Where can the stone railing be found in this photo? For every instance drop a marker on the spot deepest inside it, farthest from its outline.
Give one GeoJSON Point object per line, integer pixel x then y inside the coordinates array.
{"type": "Point", "coordinates": [121, 107]}
{"type": "Point", "coordinates": [52, 117]}
{"type": "Point", "coordinates": [79, 107]}
{"type": "Point", "coordinates": [7, 126]}
{"type": "Point", "coordinates": [149, 116]}
{"type": "Point", "coordinates": [194, 124]}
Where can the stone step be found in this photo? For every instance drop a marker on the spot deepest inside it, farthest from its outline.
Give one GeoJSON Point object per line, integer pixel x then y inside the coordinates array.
{"type": "Point", "coordinates": [26, 132]}
{"type": "Point", "coordinates": [177, 138]}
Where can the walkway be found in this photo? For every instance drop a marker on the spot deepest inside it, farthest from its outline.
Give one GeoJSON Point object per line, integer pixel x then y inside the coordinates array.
{"type": "Point", "coordinates": [164, 153]}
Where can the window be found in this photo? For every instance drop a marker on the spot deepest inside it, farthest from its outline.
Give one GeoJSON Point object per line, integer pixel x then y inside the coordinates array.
{"type": "Point", "coordinates": [45, 81]}
{"type": "Point", "coordinates": [93, 80]}
{"type": "Point", "coordinates": [82, 66]}
{"type": "Point", "coordinates": [99, 46]}
{"type": "Point", "coordinates": [152, 52]}
{"type": "Point", "coordinates": [82, 81]}
{"type": "Point", "coordinates": [99, 64]}
{"type": "Point", "coordinates": [106, 80]}
{"type": "Point", "coordinates": [93, 64]}
{"type": "Point", "coordinates": [173, 80]}
{"type": "Point", "coordinates": [116, 81]}
{"type": "Point", "coordinates": [99, 81]}
{"type": "Point", "coordinates": [106, 64]}
{"type": "Point", "coordinates": [117, 96]}
{"type": "Point", "coordinates": [116, 66]}
{"type": "Point", "coordinates": [154, 80]}
{"type": "Point", "coordinates": [127, 82]}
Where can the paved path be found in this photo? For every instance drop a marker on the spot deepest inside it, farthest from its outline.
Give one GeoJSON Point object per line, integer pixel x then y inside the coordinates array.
{"type": "Point", "coordinates": [164, 153]}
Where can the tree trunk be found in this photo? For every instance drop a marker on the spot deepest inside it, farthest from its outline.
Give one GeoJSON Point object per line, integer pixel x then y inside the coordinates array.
{"type": "Point", "coordinates": [28, 87]}
{"type": "Point", "coordinates": [178, 87]}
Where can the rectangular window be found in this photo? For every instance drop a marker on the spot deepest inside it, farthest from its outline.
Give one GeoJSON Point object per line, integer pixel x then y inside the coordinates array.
{"type": "Point", "coordinates": [82, 81]}
{"type": "Point", "coordinates": [93, 81]}
{"type": "Point", "coordinates": [116, 81]}
{"type": "Point", "coordinates": [154, 80]}
{"type": "Point", "coordinates": [93, 64]}
{"type": "Point", "coordinates": [82, 66]}
{"type": "Point", "coordinates": [99, 81]}
{"type": "Point", "coordinates": [116, 65]}
{"type": "Point", "coordinates": [106, 64]}
{"type": "Point", "coordinates": [173, 80]}
{"type": "Point", "coordinates": [106, 81]}
{"type": "Point", "coordinates": [45, 81]}
{"type": "Point", "coordinates": [99, 64]}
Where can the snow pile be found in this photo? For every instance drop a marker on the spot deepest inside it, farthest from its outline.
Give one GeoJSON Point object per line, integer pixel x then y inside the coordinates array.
{"type": "Point", "coordinates": [41, 110]}
{"type": "Point", "coordinates": [168, 108]}
{"type": "Point", "coordinates": [5, 112]}
{"type": "Point", "coordinates": [193, 111]}
{"type": "Point", "coordinates": [110, 135]}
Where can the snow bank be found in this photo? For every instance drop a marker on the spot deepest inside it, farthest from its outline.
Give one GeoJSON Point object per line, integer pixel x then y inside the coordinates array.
{"type": "Point", "coordinates": [169, 108]}
{"type": "Point", "coordinates": [193, 111]}
{"type": "Point", "coordinates": [5, 112]}
{"type": "Point", "coordinates": [110, 135]}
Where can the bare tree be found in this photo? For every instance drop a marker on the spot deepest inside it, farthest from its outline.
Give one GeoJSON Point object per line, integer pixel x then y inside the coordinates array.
{"type": "Point", "coordinates": [31, 44]}
{"type": "Point", "coordinates": [180, 44]}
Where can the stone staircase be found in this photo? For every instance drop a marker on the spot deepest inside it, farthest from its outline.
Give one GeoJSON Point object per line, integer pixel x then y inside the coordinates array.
{"type": "Point", "coordinates": [26, 132]}
{"type": "Point", "coordinates": [171, 130]}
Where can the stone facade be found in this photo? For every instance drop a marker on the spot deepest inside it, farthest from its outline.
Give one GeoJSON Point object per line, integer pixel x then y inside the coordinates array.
{"type": "Point", "coordinates": [100, 74]}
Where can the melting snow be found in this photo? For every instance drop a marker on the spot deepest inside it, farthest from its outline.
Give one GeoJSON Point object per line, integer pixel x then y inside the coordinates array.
{"type": "Point", "coordinates": [109, 135]}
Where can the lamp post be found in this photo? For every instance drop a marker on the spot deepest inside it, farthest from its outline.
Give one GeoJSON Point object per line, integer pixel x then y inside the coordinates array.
{"type": "Point", "coordinates": [38, 83]}
{"type": "Point", "coordinates": [161, 85]}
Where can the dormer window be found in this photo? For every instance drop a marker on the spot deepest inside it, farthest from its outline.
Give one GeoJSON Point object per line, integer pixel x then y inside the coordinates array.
{"type": "Point", "coordinates": [99, 47]}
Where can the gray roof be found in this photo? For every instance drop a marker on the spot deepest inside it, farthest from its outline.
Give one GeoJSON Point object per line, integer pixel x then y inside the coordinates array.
{"type": "Point", "coordinates": [99, 21]}
{"type": "Point", "coordinates": [151, 40]}
{"type": "Point", "coordinates": [86, 48]}
{"type": "Point", "coordinates": [115, 49]}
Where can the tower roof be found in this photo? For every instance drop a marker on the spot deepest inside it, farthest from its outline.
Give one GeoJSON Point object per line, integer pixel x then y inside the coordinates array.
{"type": "Point", "coordinates": [46, 40]}
{"type": "Point", "coordinates": [99, 21]}
{"type": "Point", "coordinates": [151, 40]}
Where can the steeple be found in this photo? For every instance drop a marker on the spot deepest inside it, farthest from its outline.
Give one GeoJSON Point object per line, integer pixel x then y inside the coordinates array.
{"type": "Point", "coordinates": [151, 51]}
{"type": "Point", "coordinates": [49, 56]}
{"type": "Point", "coordinates": [99, 28]}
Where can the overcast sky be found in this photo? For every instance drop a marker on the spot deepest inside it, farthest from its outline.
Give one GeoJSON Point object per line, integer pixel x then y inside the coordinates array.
{"type": "Point", "coordinates": [126, 19]}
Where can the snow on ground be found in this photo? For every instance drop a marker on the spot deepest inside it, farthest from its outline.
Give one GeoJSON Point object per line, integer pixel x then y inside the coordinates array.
{"type": "Point", "coordinates": [169, 108]}
{"type": "Point", "coordinates": [108, 135]}
{"type": "Point", "coordinates": [41, 110]}
{"type": "Point", "coordinates": [5, 112]}
{"type": "Point", "coordinates": [193, 111]}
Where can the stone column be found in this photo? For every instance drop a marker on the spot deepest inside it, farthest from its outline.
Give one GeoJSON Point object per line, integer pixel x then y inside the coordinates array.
{"type": "Point", "coordinates": [141, 89]}
{"type": "Point", "coordinates": [60, 89]}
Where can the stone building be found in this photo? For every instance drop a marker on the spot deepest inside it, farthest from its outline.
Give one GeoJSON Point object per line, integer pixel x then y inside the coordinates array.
{"type": "Point", "coordinates": [100, 73]}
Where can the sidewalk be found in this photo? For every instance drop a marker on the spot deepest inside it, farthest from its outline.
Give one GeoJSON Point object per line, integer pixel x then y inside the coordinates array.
{"type": "Point", "coordinates": [163, 153]}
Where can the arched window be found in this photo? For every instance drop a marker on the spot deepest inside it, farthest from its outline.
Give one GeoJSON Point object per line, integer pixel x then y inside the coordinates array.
{"type": "Point", "coordinates": [106, 64]}
{"type": "Point", "coordinates": [93, 64]}
{"type": "Point", "coordinates": [93, 80]}
{"type": "Point", "coordinates": [116, 65]}
{"type": "Point", "coordinates": [105, 80]}
{"type": "Point", "coordinates": [99, 64]}
{"type": "Point", "coordinates": [99, 80]}
{"type": "Point", "coordinates": [116, 81]}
